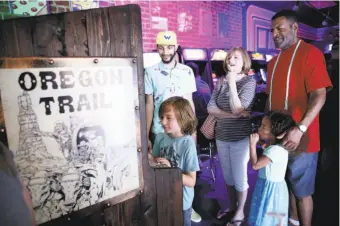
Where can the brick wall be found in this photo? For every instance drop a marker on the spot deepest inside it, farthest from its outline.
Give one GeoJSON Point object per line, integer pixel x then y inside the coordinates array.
{"type": "Point", "coordinates": [199, 35]}
{"type": "Point", "coordinates": [202, 21]}
{"type": "Point", "coordinates": [197, 23]}
{"type": "Point", "coordinates": [59, 6]}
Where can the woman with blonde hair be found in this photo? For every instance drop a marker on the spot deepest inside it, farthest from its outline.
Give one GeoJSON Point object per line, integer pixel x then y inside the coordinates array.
{"type": "Point", "coordinates": [231, 104]}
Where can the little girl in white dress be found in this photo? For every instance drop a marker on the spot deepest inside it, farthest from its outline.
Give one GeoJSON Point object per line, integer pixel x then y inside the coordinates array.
{"type": "Point", "coordinates": [270, 197]}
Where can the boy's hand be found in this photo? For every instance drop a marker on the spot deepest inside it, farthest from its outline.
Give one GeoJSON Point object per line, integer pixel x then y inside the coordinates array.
{"type": "Point", "coordinates": [162, 161]}
{"type": "Point", "coordinates": [151, 158]}
{"type": "Point", "coordinates": [149, 146]}
{"type": "Point", "coordinates": [254, 138]}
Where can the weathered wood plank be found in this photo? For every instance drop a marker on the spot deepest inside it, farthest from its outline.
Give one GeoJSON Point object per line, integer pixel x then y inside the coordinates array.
{"type": "Point", "coordinates": [48, 34]}
{"type": "Point", "coordinates": [136, 44]}
{"type": "Point", "coordinates": [119, 19]}
{"type": "Point", "coordinates": [3, 48]}
{"type": "Point", "coordinates": [75, 34]}
{"type": "Point", "coordinates": [124, 214]}
{"type": "Point", "coordinates": [148, 198]}
{"type": "Point", "coordinates": [96, 218]}
{"type": "Point", "coordinates": [23, 37]}
{"type": "Point", "coordinates": [98, 32]}
{"type": "Point", "coordinates": [169, 197]}
{"type": "Point", "coordinates": [17, 36]}
{"type": "Point", "coordinates": [3, 134]}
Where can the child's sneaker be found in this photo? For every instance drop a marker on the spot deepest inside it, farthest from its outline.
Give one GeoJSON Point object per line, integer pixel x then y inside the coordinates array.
{"type": "Point", "coordinates": [195, 217]}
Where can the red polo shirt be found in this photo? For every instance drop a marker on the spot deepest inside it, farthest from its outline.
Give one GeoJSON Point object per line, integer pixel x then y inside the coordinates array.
{"type": "Point", "coordinates": [308, 73]}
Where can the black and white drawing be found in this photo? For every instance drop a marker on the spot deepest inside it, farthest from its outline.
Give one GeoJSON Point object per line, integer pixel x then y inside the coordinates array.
{"type": "Point", "coordinates": [74, 160]}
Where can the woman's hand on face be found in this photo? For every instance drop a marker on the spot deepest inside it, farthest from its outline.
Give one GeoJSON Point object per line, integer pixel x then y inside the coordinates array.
{"type": "Point", "coordinates": [231, 77]}
{"type": "Point", "coordinates": [232, 74]}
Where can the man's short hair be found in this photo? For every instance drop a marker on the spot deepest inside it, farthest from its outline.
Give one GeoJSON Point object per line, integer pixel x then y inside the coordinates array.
{"type": "Point", "coordinates": [288, 14]}
{"type": "Point", "coordinates": [194, 68]}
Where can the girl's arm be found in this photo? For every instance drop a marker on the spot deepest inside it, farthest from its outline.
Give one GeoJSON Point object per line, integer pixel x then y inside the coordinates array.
{"type": "Point", "coordinates": [189, 178]}
{"type": "Point", "coordinates": [262, 161]}
{"type": "Point", "coordinates": [258, 163]}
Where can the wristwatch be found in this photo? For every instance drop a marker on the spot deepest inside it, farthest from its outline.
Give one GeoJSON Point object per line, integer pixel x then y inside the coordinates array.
{"type": "Point", "coordinates": [302, 128]}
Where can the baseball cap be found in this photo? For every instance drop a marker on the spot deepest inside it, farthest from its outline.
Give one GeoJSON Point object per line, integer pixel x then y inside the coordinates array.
{"type": "Point", "coordinates": [166, 38]}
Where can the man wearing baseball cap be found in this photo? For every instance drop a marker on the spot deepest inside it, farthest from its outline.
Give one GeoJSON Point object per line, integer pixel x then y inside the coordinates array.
{"type": "Point", "coordinates": [163, 80]}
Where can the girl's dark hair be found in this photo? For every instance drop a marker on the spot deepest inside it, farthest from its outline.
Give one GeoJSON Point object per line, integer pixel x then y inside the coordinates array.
{"type": "Point", "coordinates": [280, 122]}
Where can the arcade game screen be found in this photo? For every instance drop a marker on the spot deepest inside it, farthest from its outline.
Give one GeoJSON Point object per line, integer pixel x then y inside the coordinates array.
{"type": "Point", "coordinates": [217, 57]}
{"type": "Point", "coordinates": [257, 56]}
{"type": "Point", "coordinates": [258, 67]}
{"type": "Point", "coordinates": [258, 70]}
{"type": "Point", "coordinates": [194, 54]}
{"type": "Point", "coordinates": [199, 57]}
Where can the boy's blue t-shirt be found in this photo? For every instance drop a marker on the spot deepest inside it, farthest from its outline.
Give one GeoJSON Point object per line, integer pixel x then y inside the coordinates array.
{"type": "Point", "coordinates": [181, 152]}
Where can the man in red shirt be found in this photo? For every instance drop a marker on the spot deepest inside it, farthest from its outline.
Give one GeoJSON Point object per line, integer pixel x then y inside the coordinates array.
{"type": "Point", "coordinates": [297, 83]}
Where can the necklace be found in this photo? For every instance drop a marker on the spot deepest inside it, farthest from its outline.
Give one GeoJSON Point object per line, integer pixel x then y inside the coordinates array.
{"type": "Point", "coordinates": [288, 77]}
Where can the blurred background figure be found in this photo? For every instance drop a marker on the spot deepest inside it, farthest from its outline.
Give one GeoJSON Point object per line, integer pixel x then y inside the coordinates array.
{"type": "Point", "coordinates": [15, 205]}
{"type": "Point", "coordinates": [203, 94]}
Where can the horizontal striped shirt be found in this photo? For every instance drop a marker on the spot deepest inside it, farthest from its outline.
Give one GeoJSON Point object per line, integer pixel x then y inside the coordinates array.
{"type": "Point", "coordinates": [233, 129]}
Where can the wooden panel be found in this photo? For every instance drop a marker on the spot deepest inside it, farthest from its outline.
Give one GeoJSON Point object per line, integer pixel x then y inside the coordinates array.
{"type": "Point", "coordinates": [3, 48]}
{"type": "Point", "coordinates": [135, 33]}
{"type": "Point", "coordinates": [121, 37]}
{"type": "Point", "coordinates": [48, 35]}
{"type": "Point", "coordinates": [75, 34]}
{"type": "Point", "coordinates": [169, 197]}
{"type": "Point", "coordinates": [124, 214]}
{"type": "Point", "coordinates": [96, 218]}
{"type": "Point", "coordinates": [98, 32]}
{"type": "Point", "coordinates": [149, 197]}
{"type": "Point", "coordinates": [17, 36]}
